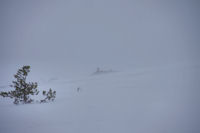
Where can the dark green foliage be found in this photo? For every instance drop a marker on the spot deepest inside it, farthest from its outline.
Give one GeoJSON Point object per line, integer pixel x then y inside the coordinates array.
{"type": "Point", "coordinates": [49, 96]}
{"type": "Point", "coordinates": [24, 90]}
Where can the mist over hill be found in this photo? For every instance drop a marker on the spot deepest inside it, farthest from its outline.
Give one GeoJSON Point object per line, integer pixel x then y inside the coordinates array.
{"type": "Point", "coordinates": [152, 48]}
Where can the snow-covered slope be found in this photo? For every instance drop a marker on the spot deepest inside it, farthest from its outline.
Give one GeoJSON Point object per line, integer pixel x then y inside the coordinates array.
{"type": "Point", "coordinates": [151, 100]}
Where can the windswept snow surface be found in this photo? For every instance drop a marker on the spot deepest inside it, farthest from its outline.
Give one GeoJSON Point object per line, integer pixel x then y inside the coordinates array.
{"type": "Point", "coordinates": [163, 99]}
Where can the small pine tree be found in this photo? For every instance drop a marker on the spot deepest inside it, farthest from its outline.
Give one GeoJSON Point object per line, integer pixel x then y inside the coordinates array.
{"type": "Point", "coordinates": [24, 90]}
{"type": "Point", "coordinates": [49, 96]}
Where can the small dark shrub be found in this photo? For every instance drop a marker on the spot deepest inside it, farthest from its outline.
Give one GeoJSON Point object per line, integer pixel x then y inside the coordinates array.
{"type": "Point", "coordinates": [49, 96]}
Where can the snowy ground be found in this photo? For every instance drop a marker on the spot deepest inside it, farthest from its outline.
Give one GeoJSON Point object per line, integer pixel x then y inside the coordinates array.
{"type": "Point", "coordinates": [163, 99]}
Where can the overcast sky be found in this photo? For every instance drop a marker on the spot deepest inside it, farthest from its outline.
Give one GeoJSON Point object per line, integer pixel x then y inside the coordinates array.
{"type": "Point", "coordinates": [98, 32]}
